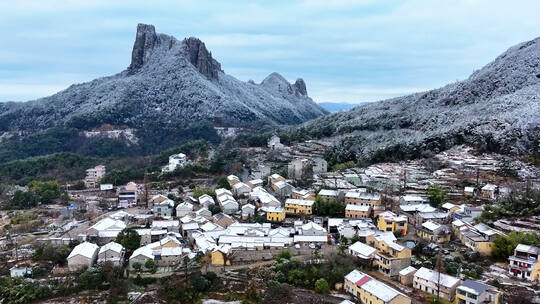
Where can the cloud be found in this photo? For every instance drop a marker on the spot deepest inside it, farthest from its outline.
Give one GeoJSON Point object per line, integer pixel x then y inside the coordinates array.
{"type": "Point", "coordinates": [346, 50]}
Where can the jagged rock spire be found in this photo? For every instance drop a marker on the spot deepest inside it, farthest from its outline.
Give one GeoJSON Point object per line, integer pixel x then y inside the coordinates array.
{"type": "Point", "coordinates": [145, 41]}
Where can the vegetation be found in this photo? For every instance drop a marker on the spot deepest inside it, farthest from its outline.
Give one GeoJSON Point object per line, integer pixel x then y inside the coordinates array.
{"type": "Point", "coordinates": [223, 183]}
{"type": "Point", "coordinates": [129, 238]}
{"type": "Point", "coordinates": [516, 204]}
{"type": "Point", "coordinates": [321, 286]}
{"type": "Point", "coordinates": [123, 176]}
{"type": "Point", "coordinates": [215, 209]}
{"type": "Point", "coordinates": [56, 254]}
{"type": "Point", "coordinates": [435, 195]}
{"type": "Point", "coordinates": [197, 192]}
{"type": "Point", "coordinates": [19, 290]}
{"type": "Point", "coordinates": [38, 192]}
{"type": "Point", "coordinates": [178, 290]}
{"type": "Point", "coordinates": [323, 207]}
{"type": "Point", "coordinates": [504, 245]}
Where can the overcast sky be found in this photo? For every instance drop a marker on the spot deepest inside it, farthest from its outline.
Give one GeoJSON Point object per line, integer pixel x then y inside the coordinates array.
{"type": "Point", "coordinates": [346, 51]}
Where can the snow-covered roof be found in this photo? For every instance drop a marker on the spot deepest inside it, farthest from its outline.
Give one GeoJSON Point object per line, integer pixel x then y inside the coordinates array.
{"type": "Point", "coordinates": [240, 185]}
{"type": "Point", "coordinates": [222, 191]}
{"type": "Point", "coordinates": [432, 226]}
{"type": "Point", "coordinates": [109, 223]}
{"type": "Point", "coordinates": [205, 198]}
{"type": "Point", "coordinates": [474, 287]}
{"type": "Point", "coordinates": [273, 209]}
{"type": "Point", "coordinates": [312, 225]}
{"type": "Point", "coordinates": [327, 192]}
{"type": "Point", "coordinates": [373, 286]}
{"type": "Point", "coordinates": [469, 189]}
{"type": "Point", "coordinates": [406, 271]}
{"type": "Point", "coordinates": [354, 276]}
{"type": "Point", "coordinates": [448, 206]}
{"type": "Point", "coordinates": [165, 224]}
{"type": "Point", "coordinates": [113, 246]}
{"type": "Point", "coordinates": [434, 277]}
{"type": "Point", "coordinates": [310, 238]}
{"type": "Point", "coordinates": [528, 249]}
{"type": "Point", "coordinates": [489, 187]}
{"type": "Point", "coordinates": [363, 195]}
{"type": "Point", "coordinates": [248, 206]}
{"type": "Point", "coordinates": [85, 249]}
{"type": "Point", "coordinates": [417, 208]}
{"type": "Point", "coordinates": [299, 202]}
{"type": "Point", "coordinates": [412, 198]}
{"type": "Point", "coordinates": [362, 250]}
{"type": "Point", "coordinates": [351, 207]}
{"type": "Point", "coordinates": [184, 206]}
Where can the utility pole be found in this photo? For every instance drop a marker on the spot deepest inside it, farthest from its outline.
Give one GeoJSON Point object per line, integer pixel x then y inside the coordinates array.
{"type": "Point", "coordinates": [477, 179]}
{"type": "Point", "coordinates": [146, 189]}
{"type": "Point", "coordinates": [438, 266]}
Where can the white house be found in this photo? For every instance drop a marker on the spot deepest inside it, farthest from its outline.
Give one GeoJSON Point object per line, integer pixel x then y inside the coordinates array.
{"type": "Point", "coordinates": [106, 230]}
{"type": "Point", "coordinates": [431, 282]}
{"type": "Point", "coordinates": [248, 210]}
{"type": "Point", "coordinates": [19, 271]}
{"type": "Point", "coordinates": [319, 165]}
{"type": "Point", "coordinates": [82, 256]}
{"type": "Point", "coordinates": [362, 251]}
{"type": "Point", "coordinates": [274, 143]}
{"type": "Point", "coordinates": [175, 161]}
{"type": "Point", "coordinates": [206, 200]}
{"type": "Point", "coordinates": [241, 189]}
{"type": "Point", "coordinates": [183, 209]}
{"type": "Point", "coordinates": [111, 252]}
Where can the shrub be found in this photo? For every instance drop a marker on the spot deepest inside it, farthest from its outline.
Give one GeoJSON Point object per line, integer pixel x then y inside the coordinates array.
{"type": "Point", "coordinates": [321, 286]}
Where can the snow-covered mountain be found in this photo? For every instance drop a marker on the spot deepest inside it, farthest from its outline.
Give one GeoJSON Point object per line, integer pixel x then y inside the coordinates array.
{"type": "Point", "coordinates": [171, 83]}
{"type": "Point", "coordinates": [497, 108]}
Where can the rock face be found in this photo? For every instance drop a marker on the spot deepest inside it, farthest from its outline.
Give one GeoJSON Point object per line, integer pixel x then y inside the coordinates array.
{"type": "Point", "coordinates": [497, 108]}
{"type": "Point", "coordinates": [169, 83]}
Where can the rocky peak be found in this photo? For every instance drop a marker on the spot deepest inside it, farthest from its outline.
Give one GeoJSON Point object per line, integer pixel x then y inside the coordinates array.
{"type": "Point", "coordinates": [145, 41]}
{"type": "Point", "coordinates": [300, 86]}
{"type": "Point", "coordinates": [201, 58]}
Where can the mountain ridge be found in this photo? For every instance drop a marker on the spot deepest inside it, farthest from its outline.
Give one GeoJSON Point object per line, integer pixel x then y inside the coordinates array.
{"type": "Point", "coordinates": [170, 81]}
{"type": "Point", "coordinates": [496, 108]}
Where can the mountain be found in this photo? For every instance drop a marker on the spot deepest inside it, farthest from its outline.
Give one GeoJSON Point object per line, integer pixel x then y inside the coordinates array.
{"type": "Point", "coordinates": [170, 84]}
{"type": "Point", "coordinates": [333, 107]}
{"type": "Point", "coordinates": [496, 109]}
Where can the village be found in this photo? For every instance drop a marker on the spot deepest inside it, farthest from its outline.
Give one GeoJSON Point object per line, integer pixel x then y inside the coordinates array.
{"type": "Point", "coordinates": [411, 231]}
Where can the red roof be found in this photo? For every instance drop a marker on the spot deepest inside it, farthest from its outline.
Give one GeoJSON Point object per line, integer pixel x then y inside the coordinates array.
{"type": "Point", "coordinates": [363, 281]}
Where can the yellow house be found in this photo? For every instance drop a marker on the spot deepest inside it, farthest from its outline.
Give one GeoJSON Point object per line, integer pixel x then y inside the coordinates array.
{"type": "Point", "coordinates": [449, 207]}
{"type": "Point", "coordinates": [475, 292]}
{"type": "Point", "coordinates": [390, 257]}
{"type": "Point", "coordinates": [363, 198]}
{"type": "Point", "coordinates": [355, 211]}
{"type": "Point", "coordinates": [389, 221]}
{"type": "Point", "coordinates": [274, 178]}
{"type": "Point", "coordinates": [433, 232]}
{"type": "Point", "coordinates": [298, 206]}
{"type": "Point", "coordinates": [478, 238]}
{"type": "Point", "coordinates": [274, 214]}
{"type": "Point", "coordinates": [220, 254]}
{"type": "Point", "coordinates": [369, 290]}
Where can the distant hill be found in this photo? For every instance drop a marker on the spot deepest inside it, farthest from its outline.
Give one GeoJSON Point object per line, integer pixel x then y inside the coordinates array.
{"type": "Point", "coordinates": [333, 107]}
{"type": "Point", "coordinates": [170, 86]}
{"type": "Point", "coordinates": [496, 109]}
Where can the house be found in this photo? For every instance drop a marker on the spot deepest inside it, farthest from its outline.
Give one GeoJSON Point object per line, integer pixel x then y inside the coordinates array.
{"type": "Point", "coordinates": [330, 195]}
{"type": "Point", "coordinates": [233, 180]}
{"type": "Point", "coordinates": [319, 165]}
{"type": "Point", "coordinates": [274, 143]}
{"type": "Point", "coordinates": [362, 198]}
{"type": "Point", "coordinates": [282, 188]}
{"type": "Point", "coordinates": [433, 282]}
{"type": "Point", "coordinates": [169, 225]}
{"type": "Point", "coordinates": [301, 168]}
{"type": "Point", "coordinates": [105, 230]}
{"type": "Point", "coordinates": [262, 198]}
{"type": "Point", "coordinates": [475, 292]}
{"type": "Point", "coordinates": [220, 255]}
{"type": "Point", "coordinates": [468, 213]}
{"type": "Point", "coordinates": [406, 275]}
{"type": "Point", "coordinates": [369, 290]}
{"type": "Point", "coordinates": [111, 252]}
{"type": "Point", "coordinates": [260, 171]}
{"type": "Point", "coordinates": [390, 257]}
{"type": "Point", "coordinates": [433, 232]}
{"type": "Point", "coordinates": [255, 183]}
{"type": "Point", "coordinates": [223, 220]}
{"type": "Point", "coordinates": [82, 256]}
{"type": "Point", "coordinates": [226, 201]}
{"type": "Point", "coordinates": [362, 251]}
{"type": "Point", "coordinates": [184, 209]}
{"type": "Point", "coordinates": [478, 238]}
{"type": "Point", "coordinates": [468, 191]}
{"type": "Point", "coordinates": [241, 189]}
{"type": "Point", "coordinates": [93, 176]}
{"type": "Point", "coordinates": [298, 206]}
{"type": "Point", "coordinates": [524, 263]}
{"type": "Point", "coordinates": [436, 216]}
{"type": "Point", "coordinates": [162, 206]}
{"type": "Point", "coordinates": [450, 208]}
{"type": "Point", "coordinates": [489, 191]}
{"type": "Point", "coordinates": [20, 271]}
{"type": "Point", "coordinates": [127, 195]}
{"type": "Point", "coordinates": [248, 210]}
{"type": "Point", "coordinates": [203, 212]}
{"type": "Point", "coordinates": [303, 194]}
{"type": "Point", "coordinates": [165, 252]}
{"type": "Point", "coordinates": [206, 200]}
{"type": "Point", "coordinates": [274, 178]}
{"type": "Point", "coordinates": [411, 200]}
{"type": "Point", "coordinates": [274, 214]}
{"type": "Point", "coordinates": [355, 211]}
{"type": "Point", "coordinates": [175, 161]}
{"type": "Point", "coordinates": [311, 228]}
{"type": "Point", "coordinates": [389, 221]}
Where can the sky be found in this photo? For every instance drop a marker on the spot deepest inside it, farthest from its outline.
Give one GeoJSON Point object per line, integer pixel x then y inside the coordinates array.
{"type": "Point", "coordinates": [345, 50]}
